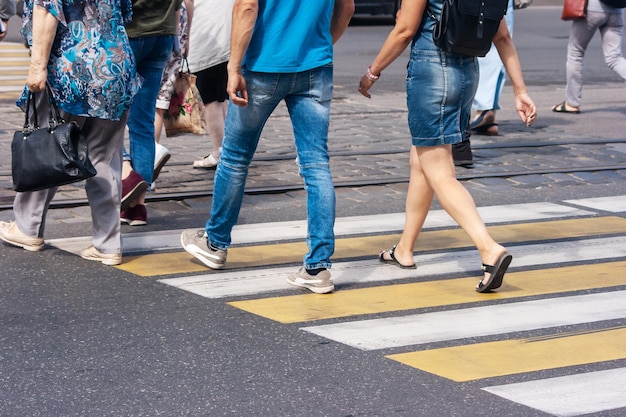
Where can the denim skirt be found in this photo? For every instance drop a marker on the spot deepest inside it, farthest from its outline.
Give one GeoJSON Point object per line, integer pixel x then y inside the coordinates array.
{"type": "Point", "coordinates": [440, 88]}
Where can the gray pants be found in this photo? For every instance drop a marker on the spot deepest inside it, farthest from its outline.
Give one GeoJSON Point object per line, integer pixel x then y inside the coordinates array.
{"type": "Point", "coordinates": [611, 26]}
{"type": "Point", "coordinates": [105, 140]}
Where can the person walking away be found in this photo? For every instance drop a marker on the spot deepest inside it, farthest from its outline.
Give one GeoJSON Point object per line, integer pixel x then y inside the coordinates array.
{"type": "Point", "coordinates": [490, 84]}
{"type": "Point", "coordinates": [487, 99]}
{"type": "Point", "coordinates": [606, 16]}
{"type": "Point", "coordinates": [208, 60]}
{"type": "Point", "coordinates": [92, 87]}
{"type": "Point", "coordinates": [438, 117]}
{"type": "Point", "coordinates": [279, 51]}
{"type": "Point", "coordinates": [152, 33]}
{"type": "Point", "coordinates": [168, 80]}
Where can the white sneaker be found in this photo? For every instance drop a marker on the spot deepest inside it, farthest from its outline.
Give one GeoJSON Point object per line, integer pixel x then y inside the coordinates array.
{"type": "Point", "coordinates": [92, 254]}
{"type": "Point", "coordinates": [208, 162]}
{"type": "Point", "coordinates": [161, 156]}
{"type": "Point", "coordinates": [12, 235]}
{"type": "Point", "coordinates": [322, 283]}
{"type": "Point", "coordinates": [195, 242]}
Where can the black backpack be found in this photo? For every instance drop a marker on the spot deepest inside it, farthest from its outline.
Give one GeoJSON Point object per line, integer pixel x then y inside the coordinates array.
{"type": "Point", "coordinates": [467, 27]}
{"type": "Point", "coordinates": [620, 4]}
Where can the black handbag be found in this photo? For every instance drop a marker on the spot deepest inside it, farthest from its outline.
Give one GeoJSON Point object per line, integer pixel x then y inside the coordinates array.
{"type": "Point", "coordinates": [467, 27]}
{"type": "Point", "coordinates": [50, 156]}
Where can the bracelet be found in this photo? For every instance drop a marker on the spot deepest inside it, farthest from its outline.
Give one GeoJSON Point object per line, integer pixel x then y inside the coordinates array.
{"type": "Point", "coordinates": [370, 76]}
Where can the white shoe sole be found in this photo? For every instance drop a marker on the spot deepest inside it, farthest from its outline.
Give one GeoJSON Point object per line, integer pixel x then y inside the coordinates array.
{"type": "Point", "coordinates": [199, 255]}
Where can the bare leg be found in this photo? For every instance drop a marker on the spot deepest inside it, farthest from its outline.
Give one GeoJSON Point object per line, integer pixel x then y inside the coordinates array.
{"type": "Point", "coordinates": [158, 124]}
{"type": "Point", "coordinates": [419, 198]}
{"type": "Point", "coordinates": [215, 114]}
{"type": "Point", "coordinates": [438, 168]}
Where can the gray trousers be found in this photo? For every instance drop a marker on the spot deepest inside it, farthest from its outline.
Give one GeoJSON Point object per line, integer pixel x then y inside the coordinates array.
{"type": "Point", "coordinates": [105, 140]}
{"type": "Point", "coordinates": [611, 26]}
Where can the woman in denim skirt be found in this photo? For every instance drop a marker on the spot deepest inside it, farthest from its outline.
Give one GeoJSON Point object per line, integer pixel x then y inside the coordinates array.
{"type": "Point", "coordinates": [440, 88]}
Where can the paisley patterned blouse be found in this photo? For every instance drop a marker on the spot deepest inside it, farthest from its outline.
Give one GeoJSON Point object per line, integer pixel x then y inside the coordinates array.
{"type": "Point", "coordinates": [91, 70]}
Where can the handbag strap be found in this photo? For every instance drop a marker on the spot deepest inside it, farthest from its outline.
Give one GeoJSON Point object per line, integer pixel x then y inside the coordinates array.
{"type": "Point", "coordinates": [54, 119]}
{"type": "Point", "coordinates": [184, 64]}
{"type": "Point", "coordinates": [54, 115]}
{"type": "Point", "coordinates": [27, 129]}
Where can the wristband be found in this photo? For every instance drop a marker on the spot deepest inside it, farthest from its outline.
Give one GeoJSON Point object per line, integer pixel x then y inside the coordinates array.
{"type": "Point", "coordinates": [370, 76]}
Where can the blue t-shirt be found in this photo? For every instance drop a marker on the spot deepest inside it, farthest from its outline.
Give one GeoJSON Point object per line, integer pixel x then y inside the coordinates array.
{"type": "Point", "coordinates": [291, 36]}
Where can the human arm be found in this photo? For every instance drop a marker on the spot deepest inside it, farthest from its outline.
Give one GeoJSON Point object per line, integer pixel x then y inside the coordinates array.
{"type": "Point", "coordinates": [407, 23]}
{"type": "Point", "coordinates": [44, 31]}
{"type": "Point", "coordinates": [342, 13]}
{"type": "Point", "coordinates": [189, 7]}
{"type": "Point", "coordinates": [508, 54]}
{"type": "Point", "coordinates": [245, 13]}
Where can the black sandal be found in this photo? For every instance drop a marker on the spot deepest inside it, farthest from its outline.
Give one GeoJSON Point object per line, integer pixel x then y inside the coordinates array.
{"type": "Point", "coordinates": [496, 273]}
{"type": "Point", "coordinates": [393, 259]}
{"type": "Point", "coordinates": [562, 108]}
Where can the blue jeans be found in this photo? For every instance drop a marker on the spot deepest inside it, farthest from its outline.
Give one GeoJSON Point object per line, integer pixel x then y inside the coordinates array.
{"type": "Point", "coordinates": [307, 95]}
{"type": "Point", "coordinates": [151, 56]}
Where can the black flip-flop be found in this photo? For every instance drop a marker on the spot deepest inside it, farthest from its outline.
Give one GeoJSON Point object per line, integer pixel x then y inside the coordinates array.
{"type": "Point", "coordinates": [393, 259]}
{"type": "Point", "coordinates": [484, 118]}
{"type": "Point", "coordinates": [561, 108]}
{"type": "Point", "coordinates": [486, 129]}
{"type": "Point", "coordinates": [496, 273]}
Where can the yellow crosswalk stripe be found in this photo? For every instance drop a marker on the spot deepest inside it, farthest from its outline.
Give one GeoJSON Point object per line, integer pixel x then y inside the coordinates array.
{"type": "Point", "coordinates": [401, 297]}
{"type": "Point", "coordinates": [348, 248]}
{"type": "Point", "coordinates": [507, 357]}
{"type": "Point", "coordinates": [9, 95]}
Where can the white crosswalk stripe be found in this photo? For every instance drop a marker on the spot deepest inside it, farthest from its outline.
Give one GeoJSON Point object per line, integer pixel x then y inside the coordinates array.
{"type": "Point", "coordinates": [572, 395]}
{"type": "Point", "coordinates": [14, 61]}
{"type": "Point", "coordinates": [416, 329]}
{"type": "Point", "coordinates": [456, 325]}
{"type": "Point", "coordinates": [242, 283]}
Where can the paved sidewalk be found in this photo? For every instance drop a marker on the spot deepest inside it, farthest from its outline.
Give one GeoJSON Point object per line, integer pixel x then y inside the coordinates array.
{"type": "Point", "coordinates": [369, 143]}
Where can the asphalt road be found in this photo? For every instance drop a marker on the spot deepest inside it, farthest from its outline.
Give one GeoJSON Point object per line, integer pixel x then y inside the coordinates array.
{"type": "Point", "coordinates": [162, 337]}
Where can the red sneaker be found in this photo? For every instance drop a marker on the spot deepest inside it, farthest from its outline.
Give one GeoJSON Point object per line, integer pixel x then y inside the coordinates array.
{"type": "Point", "coordinates": [132, 187]}
{"type": "Point", "coordinates": [135, 216]}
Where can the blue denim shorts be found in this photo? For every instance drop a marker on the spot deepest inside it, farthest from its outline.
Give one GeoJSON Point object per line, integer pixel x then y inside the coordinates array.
{"type": "Point", "coordinates": [440, 88]}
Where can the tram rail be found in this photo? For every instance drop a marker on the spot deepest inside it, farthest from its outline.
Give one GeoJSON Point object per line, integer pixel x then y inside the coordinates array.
{"type": "Point", "coordinates": [465, 175]}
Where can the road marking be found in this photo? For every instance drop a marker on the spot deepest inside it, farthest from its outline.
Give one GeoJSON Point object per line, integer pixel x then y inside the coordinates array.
{"type": "Point", "coordinates": [401, 297]}
{"type": "Point", "coordinates": [14, 61]}
{"type": "Point", "coordinates": [283, 253]}
{"type": "Point", "coordinates": [611, 204]}
{"type": "Point", "coordinates": [572, 395]}
{"type": "Point", "coordinates": [431, 266]}
{"type": "Point", "coordinates": [460, 323]}
{"type": "Point", "coordinates": [507, 357]}
{"type": "Point", "coordinates": [246, 234]}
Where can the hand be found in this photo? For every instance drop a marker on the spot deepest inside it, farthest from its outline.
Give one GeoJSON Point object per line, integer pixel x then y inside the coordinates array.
{"type": "Point", "coordinates": [525, 108]}
{"type": "Point", "coordinates": [364, 85]}
{"type": "Point", "coordinates": [237, 89]}
{"type": "Point", "coordinates": [36, 78]}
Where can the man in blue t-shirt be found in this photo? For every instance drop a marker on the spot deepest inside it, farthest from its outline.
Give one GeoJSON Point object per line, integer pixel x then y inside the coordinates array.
{"type": "Point", "coordinates": [280, 50]}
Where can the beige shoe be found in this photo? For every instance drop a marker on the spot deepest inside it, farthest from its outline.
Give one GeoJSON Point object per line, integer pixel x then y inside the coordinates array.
{"type": "Point", "coordinates": [12, 235]}
{"type": "Point", "coordinates": [93, 254]}
{"type": "Point", "coordinates": [208, 162]}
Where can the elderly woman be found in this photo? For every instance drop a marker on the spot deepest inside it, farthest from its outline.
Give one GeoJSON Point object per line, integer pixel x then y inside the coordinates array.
{"type": "Point", "coordinates": [81, 50]}
{"type": "Point", "coordinates": [440, 88]}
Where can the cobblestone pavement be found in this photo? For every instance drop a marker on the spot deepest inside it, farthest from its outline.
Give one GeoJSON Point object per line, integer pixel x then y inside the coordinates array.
{"type": "Point", "coordinates": [369, 142]}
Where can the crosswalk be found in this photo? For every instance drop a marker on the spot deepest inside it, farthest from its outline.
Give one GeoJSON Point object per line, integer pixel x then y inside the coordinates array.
{"type": "Point", "coordinates": [560, 310]}
{"type": "Point", "coordinates": [14, 60]}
